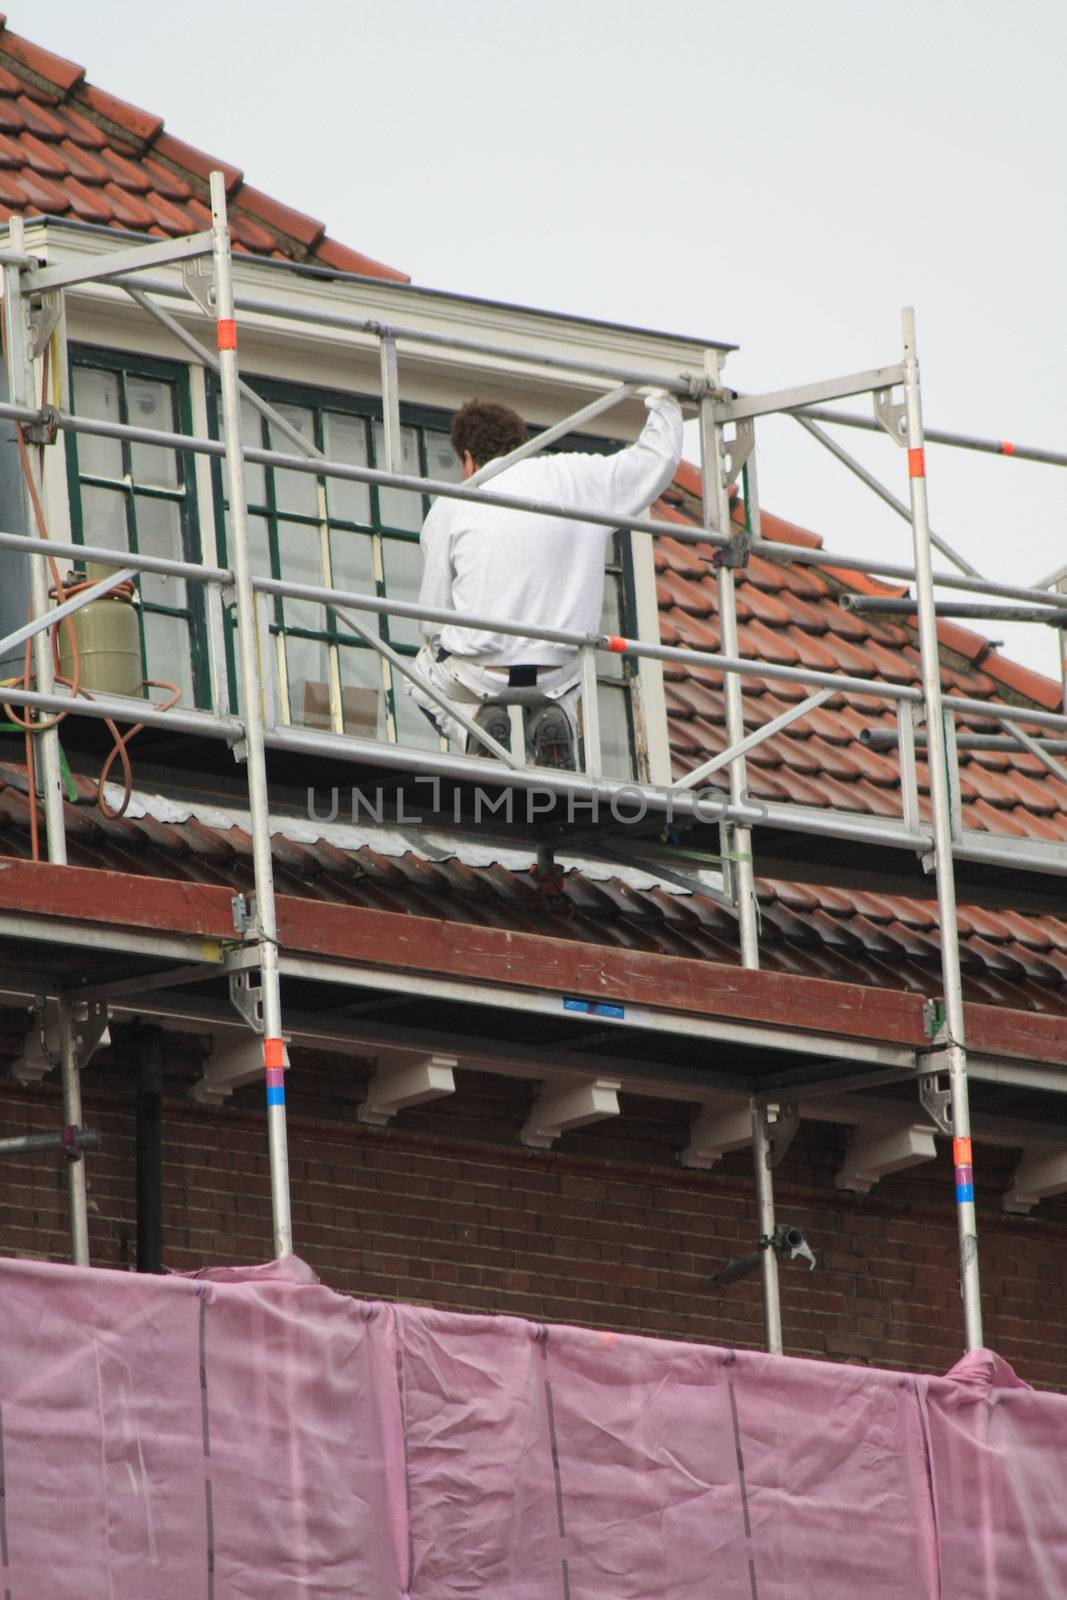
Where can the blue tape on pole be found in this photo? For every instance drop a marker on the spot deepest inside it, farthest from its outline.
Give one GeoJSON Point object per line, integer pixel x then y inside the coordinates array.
{"type": "Point", "coordinates": [593, 1008]}
{"type": "Point", "coordinates": [275, 1097]}
{"type": "Point", "coordinates": [964, 1191]}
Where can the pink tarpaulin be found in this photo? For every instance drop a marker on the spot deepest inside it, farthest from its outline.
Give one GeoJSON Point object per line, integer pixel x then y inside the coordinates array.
{"type": "Point", "coordinates": [247, 1434]}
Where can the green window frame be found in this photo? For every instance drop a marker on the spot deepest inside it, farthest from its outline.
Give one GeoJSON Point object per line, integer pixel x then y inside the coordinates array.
{"type": "Point", "coordinates": [364, 538]}
{"type": "Point", "coordinates": [345, 535]}
{"type": "Point", "coordinates": [142, 498]}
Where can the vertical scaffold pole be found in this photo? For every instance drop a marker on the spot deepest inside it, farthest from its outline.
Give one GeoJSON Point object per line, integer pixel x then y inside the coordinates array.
{"type": "Point", "coordinates": [20, 378]}
{"type": "Point", "coordinates": [252, 715]}
{"type": "Point", "coordinates": [717, 516]}
{"type": "Point", "coordinates": [772, 1305]}
{"type": "Point", "coordinates": [941, 800]}
{"type": "Point", "coordinates": [20, 388]}
{"type": "Point", "coordinates": [78, 1218]}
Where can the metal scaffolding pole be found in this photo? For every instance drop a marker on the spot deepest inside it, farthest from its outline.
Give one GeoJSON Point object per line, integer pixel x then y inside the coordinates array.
{"type": "Point", "coordinates": [266, 927]}
{"type": "Point", "coordinates": [717, 517]}
{"type": "Point", "coordinates": [954, 1044]}
{"type": "Point", "coordinates": [772, 1299]}
{"type": "Point", "coordinates": [70, 1075]}
{"type": "Point", "coordinates": [20, 377]}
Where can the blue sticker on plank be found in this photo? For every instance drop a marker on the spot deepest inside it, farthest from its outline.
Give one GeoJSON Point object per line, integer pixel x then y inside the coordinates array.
{"type": "Point", "coordinates": [593, 1008]}
{"type": "Point", "coordinates": [964, 1191]}
{"type": "Point", "coordinates": [275, 1097]}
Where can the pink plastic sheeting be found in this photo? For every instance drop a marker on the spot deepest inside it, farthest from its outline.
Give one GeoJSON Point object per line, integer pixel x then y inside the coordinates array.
{"type": "Point", "coordinates": [246, 1434]}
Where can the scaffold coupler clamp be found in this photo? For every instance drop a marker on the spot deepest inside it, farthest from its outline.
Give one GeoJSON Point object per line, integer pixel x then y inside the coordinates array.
{"type": "Point", "coordinates": [44, 429]}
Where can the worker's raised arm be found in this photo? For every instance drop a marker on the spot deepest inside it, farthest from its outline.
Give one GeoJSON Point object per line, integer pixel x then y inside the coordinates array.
{"type": "Point", "coordinates": [633, 478]}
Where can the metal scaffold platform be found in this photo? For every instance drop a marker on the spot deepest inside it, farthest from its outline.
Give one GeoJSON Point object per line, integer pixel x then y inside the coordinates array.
{"type": "Point", "coordinates": [228, 965]}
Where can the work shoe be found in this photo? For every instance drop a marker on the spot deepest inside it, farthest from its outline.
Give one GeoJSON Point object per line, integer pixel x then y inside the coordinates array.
{"type": "Point", "coordinates": [495, 721]}
{"type": "Point", "coordinates": [550, 739]}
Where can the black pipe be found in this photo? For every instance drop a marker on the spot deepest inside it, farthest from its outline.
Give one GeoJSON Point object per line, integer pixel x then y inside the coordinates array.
{"type": "Point", "coordinates": [888, 739]}
{"type": "Point", "coordinates": [904, 606]}
{"type": "Point", "coordinates": [149, 1148]}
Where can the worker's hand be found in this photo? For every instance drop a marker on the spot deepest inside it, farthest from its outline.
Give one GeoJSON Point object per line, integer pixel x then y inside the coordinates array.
{"type": "Point", "coordinates": [650, 394]}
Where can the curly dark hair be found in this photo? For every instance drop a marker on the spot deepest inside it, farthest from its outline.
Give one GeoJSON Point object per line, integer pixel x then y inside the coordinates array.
{"type": "Point", "coordinates": [486, 430]}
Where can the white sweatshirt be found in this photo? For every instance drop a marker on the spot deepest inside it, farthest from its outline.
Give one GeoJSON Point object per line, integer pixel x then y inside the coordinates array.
{"type": "Point", "coordinates": [548, 571]}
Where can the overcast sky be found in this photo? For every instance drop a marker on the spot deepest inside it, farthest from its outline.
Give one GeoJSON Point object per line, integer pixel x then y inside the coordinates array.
{"type": "Point", "coordinates": [781, 174]}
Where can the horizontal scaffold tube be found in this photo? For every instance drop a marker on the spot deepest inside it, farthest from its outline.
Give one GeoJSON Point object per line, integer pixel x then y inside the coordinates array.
{"type": "Point", "coordinates": [770, 550]}
{"type": "Point", "coordinates": [962, 441]}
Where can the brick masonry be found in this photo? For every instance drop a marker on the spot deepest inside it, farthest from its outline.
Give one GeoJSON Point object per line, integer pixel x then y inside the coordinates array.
{"type": "Point", "coordinates": [446, 1207]}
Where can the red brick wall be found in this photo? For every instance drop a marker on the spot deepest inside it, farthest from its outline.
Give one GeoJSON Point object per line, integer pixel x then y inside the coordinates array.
{"type": "Point", "coordinates": [445, 1206]}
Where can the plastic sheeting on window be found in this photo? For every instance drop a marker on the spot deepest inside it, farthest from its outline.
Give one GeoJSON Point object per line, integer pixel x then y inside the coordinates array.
{"type": "Point", "coordinates": [248, 1433]}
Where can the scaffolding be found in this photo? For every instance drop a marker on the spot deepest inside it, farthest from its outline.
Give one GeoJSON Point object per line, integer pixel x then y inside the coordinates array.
{"type": "Point", "coordinates": [925, 719]}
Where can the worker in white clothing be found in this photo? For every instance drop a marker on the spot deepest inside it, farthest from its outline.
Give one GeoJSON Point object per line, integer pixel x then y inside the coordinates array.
{"type": "Point", "coordinates": [547, 572]}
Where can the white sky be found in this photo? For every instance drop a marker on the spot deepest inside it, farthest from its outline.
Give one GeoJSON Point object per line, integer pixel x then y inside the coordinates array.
{"type": "Point", "coordinates": [781, 174]}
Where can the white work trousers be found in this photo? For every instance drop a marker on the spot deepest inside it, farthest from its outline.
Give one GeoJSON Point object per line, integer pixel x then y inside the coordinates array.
{"type": "Point", "coordinates": [466, 682]}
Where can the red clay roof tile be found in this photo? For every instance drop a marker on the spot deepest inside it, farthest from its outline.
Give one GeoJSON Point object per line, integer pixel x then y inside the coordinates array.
{"type": "Point", "coordinates": [170, 215]}
{"type": "Point", "coordinates": [125, 172]}
{"type": "Point", "coordinates": [126, 208]}
{"type": "Point", "coordinates": [81, 130]}
{"type": "Point", "coordinates": [56, 69]}
{"type": "Point", "coordinates": [82, 163]}
{"type": "Point", "coordinates": [294, 224]}
{"type": "Point", "coordinates": [766, 644]}
{"type": "Point", "coordinates": [131, 119]}
{"type": "Point", "coordinates": [346, 260]}
{"type": "Point", "coordinates": [43, 194]}
{"type": "Point", "coordinates": [92, 205]}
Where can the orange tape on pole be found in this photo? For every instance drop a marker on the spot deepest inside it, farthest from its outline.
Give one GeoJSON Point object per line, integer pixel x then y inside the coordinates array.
{"type": "Point", "coordinates": [1006, 447]}
{"type": "Point", "coordinates": [616, 644]}
{"type": "Point", "coordinates": [227, 333]}
{"type": "Point", "coordinates": [917, 463]}
{"type": "Point", "coordinates": [273, 1053]}
{"type": "Point", "coordinates": [962, 1153]}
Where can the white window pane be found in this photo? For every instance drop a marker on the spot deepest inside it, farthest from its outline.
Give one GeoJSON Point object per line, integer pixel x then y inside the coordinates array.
{"type": "Point", "coordinates": [307, 668]}
{"type": "Point", "coordinates": [104, 518]}
{"type": "Point", "coordinates": [252, 437]}
{"type": "Point", "coordinates": [609, 665]}
{"type": "Point", "coordinates": [299, 555]}
{"type": "Point", "coordinates": [440, 457]}
{"type": "Point", "coordinates": [402, 565]}
{"type": "Point", "coordinates": [399, 508]}
{"type": "Point", "coordinates": [362, 694]}
{"type": "Point", "coordinates": [346, 440]}
{"type": "Point", "coordinates": [159, 533]}
{"type": "Point", "coordinates": [258, 546]}
{"type": "Point", "coordinates": [150, 404]}
{"type": "Point", "coordinates": [614, 733]}
{"type": "Point", "coordinates": [352, 559]}
{"type": "Point", "coordinates": [294, 491]}
{"type": "Point", "coordinates": [167, 648]}
{"type": "Point", "coordinates": [96, 394]}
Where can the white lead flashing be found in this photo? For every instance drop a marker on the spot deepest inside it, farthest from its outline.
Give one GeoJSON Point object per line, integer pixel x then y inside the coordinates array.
{"type": "Point", "coordinates": [426, 844]}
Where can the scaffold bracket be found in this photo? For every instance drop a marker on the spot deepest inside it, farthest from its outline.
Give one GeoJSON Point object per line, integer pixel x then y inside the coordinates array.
{"type": "Point", "coordinates": [935, 1097]}
{"type": "Point", "coordinates": [43, 323]}
{"type": "Point", "coordinates": [736, 451]}
{"type": "Point", "coordinates": [198, 276]}
{"type": "Point", "coordinates": [246, 997]}
{"type": "Point", "coordinates": [781, 1122]}
{"type": "Point", "coordinates": [890, 414]}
